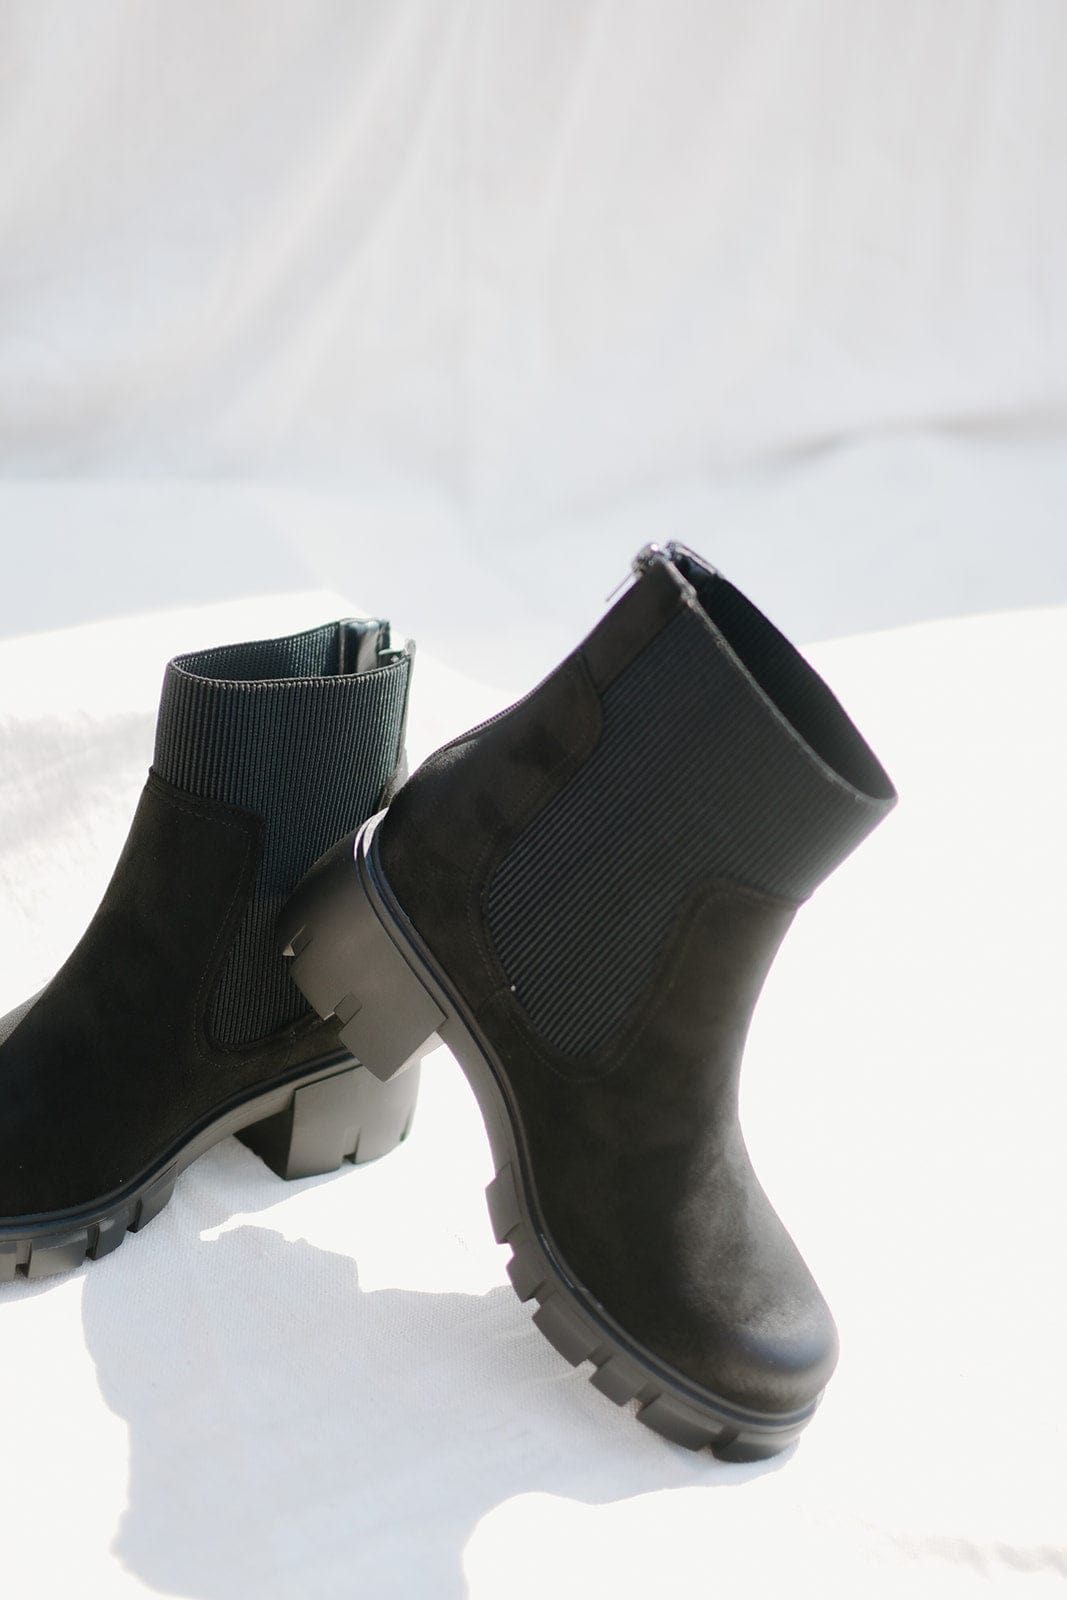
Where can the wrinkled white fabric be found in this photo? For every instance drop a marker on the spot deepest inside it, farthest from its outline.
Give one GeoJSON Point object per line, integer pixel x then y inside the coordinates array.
{"type": "Point", "coordinates": [327, 1388]}
{"type": "Point", "coordinates": [450, 307]}
{"type": "Point", "coordinates": [454, 306]}
{"type": "Point", "coordinates": [870, 535]}
{"type": "Point", "coordinates": [537, 259]}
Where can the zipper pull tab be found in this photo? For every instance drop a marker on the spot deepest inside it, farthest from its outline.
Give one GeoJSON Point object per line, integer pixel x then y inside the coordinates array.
{"type": "Point", "coordinates": [646, 555]}
{"type": "Point", "coordinates": [638, 567]}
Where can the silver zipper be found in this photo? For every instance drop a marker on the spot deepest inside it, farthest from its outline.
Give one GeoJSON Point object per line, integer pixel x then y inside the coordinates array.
{"type": "Point", "coordinates": [641, 564]}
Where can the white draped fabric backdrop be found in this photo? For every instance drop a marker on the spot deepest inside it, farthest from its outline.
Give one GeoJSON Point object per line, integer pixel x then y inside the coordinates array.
{"type": "Point", "coordinates": [441, 309]}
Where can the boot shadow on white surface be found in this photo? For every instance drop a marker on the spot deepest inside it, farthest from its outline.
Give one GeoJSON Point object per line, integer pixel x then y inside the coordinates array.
{"type": "Point", "coordinates": [291, 1433]}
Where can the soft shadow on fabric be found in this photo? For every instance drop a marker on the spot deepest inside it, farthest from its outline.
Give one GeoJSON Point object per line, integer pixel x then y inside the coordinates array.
{"type": "Point", "coordinates": [291, 1433]}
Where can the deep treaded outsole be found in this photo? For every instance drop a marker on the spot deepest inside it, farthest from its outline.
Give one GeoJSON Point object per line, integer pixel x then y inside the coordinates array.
{"type": "Point", "coordinates": [344, 925]}
{"type": "Point", "coordinates": [46, 1254]}
{"type": "Point", "coordinates": [304, 1126]}
{"type": "Point", "coordinates": [616, 1373]}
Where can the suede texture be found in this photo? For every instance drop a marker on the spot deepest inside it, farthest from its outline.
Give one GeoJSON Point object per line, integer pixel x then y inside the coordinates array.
{"type": "Point", "coordinates": [452, 820]}
{"type": "Point", "coordinates": [642, 1175]}
{"type": "Point", "coordinates": [635, 1153]}
{"type": "Point", "coordinates": [111, 1064]}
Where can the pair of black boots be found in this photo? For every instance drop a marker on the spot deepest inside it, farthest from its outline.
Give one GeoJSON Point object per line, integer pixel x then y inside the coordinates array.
{"type": "Point", "coordinates": [581, 898]}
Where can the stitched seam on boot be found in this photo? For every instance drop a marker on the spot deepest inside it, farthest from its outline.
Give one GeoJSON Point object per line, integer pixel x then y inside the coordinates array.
{"type": "Point", "coordinates": [690, 781]}
{"type": "Point", "coordinates": [530, 802]}
{"type": "Point", "coordinates": [598, 1065]}
{"type": "Point", "coordinates": [209, 810]}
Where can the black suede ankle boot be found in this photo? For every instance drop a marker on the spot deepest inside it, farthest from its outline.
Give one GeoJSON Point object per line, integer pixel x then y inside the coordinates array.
{"type": "Point", "coordinates": [582, 898]}
{"type": "Point", "coordinates": [175, 1021]}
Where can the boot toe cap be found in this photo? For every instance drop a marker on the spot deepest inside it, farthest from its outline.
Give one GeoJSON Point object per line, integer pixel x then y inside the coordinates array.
{"type": "Point", "coordinates": [776, 1364]}
{"type": "Point", "coordinates": [734, 1313]}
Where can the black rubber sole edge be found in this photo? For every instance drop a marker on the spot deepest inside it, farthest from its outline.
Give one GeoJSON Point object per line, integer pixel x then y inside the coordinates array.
{"type": "Point", "coordinates": [302, 1126]}
{"type": "Point", "coordinates": [355, 956]}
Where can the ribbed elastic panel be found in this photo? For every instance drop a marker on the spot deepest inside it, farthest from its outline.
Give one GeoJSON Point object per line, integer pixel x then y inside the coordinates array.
{"type": "Point", "coordinates": [280, 728]}
{"type": "Point", "coordinates": [700, 773]}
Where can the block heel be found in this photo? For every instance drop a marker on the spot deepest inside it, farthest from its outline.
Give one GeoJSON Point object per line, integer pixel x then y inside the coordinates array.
{"type": "Point", "coordinates": [349, 966]}
{"type": "Point", "coordinates": [348, 1116]}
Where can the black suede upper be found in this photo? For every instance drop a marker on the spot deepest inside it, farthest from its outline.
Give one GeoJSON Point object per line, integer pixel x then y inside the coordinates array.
{"type": "Point", "coordinates": [111, 1063]}
{"type": "Point", "coordinates": [636, 1158]}
{"type": "Point", "coordinates": [306, 732]}
{"type": "Point", "coordinates": [176, 1000]}
{"type": "Point", "coordinates": [643, 1177]}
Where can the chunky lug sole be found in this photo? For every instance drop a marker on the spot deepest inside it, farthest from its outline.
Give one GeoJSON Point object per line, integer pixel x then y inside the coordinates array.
{"type": "Point", "coordinates": [301, 1126]}
{"type": "Point", "coordinates": [357, 957]}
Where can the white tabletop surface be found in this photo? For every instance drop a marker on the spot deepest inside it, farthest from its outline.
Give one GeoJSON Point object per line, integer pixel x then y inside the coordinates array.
{"type": "Point", "coordinates": [327, 1389]}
